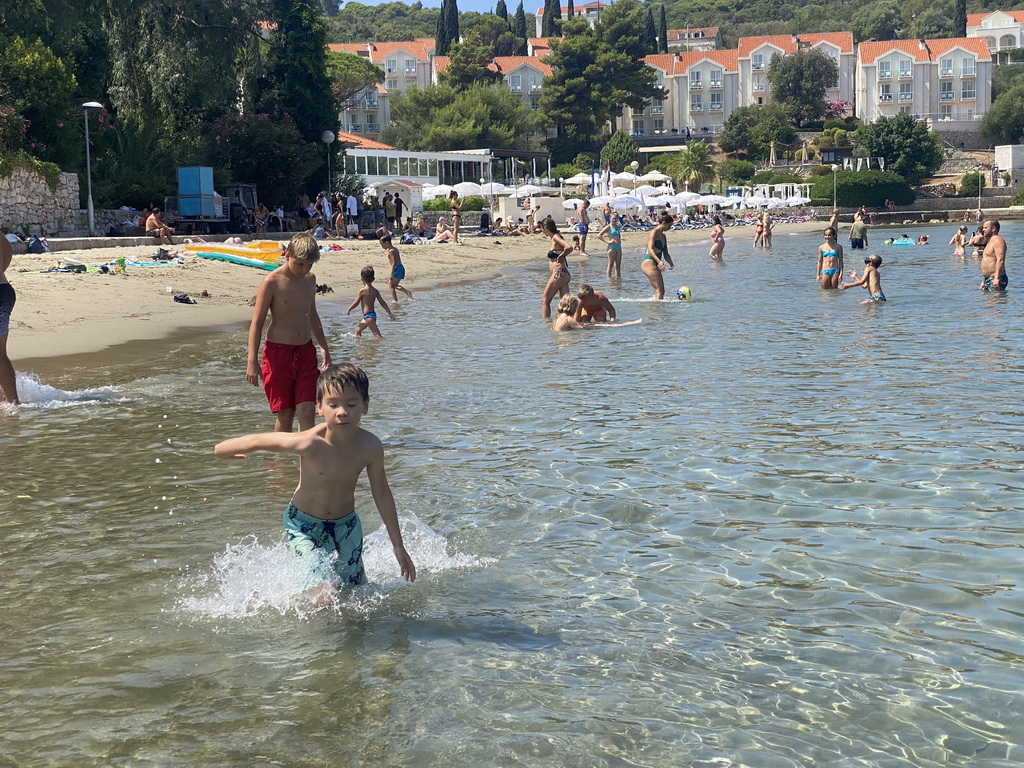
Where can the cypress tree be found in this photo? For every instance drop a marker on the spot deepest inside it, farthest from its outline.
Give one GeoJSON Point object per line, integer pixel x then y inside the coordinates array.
{"type": "Point", "coordinates": [651, 32]}
{"type": "Point", "coordinates": [452, 22]}
{"type": "Point", "coordinates": [501, 10]}
{"type": "Point", "coordinates": [570, 10]}
{"type": "Point", "coordinates": [519, 29]}
{"type": "Point", "coordinates": [662, 30]}
{"type": "Point", "coordinates": [442, 43]}
{"type": "Point", "coordinates": [556, 17]}
{"type": "Point", "coordinates": [545, 21]}
{"type": "Point", "coordinates": [960, 18]}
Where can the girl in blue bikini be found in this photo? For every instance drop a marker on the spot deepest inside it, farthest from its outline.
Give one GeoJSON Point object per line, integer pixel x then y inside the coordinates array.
{"type": "Point", "coordinates": [614, 243]}
{"type": "Point", "coordinates": [830, 261]}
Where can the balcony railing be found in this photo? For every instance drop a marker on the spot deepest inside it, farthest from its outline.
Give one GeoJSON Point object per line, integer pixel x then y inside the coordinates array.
{"type": "Point", "coordinates": [757, 67]}
{"type": "Point", "coordinates": [696, 85]}
{"type": "Point", "coordinates": [373, 127]}
{"type": "Point", "coordinates": [410, 71]}
{"type": "Point", "coordinates": [906, 74]}
{"type": "Point", "coordinates": [946, 73]}
{"type": "Point", "coordinates": [696, 106]}
{"type": "Point", "coordinates": [355, 128]}
{"type": "Point", "coordinates": [657, 110]}
{"type": "Point", "coordinates": [886, 75]}
{"type": "Point", "coordinates": [715, 106]}
{"type": "Point", "coordinates": [716, 85]}
{"type": "Point", "coordinates": [885, 97]}
{"type": "Point", "coordinates": [967, 74]}
{"type": "Point", "coordinates": [535, 87]}
{"type": "Point", "coordinates": [906, 96]}
{"type": "Point", "coordinates": [758, 87]}
{"type": "Point", "coordinates": [516, 88]}
{"type": "Point", "coordinates": [946, 96]}
{"type": "Point", "coordinates": [968, 95]}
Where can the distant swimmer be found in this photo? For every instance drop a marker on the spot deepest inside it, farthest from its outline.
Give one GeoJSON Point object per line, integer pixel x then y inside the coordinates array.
{"type": "Point", "coordinates": [993, 258]}
{"type": "Point", "coordinates": [830, 261]}
{"type": "Point", "coordinates": [870, 280]}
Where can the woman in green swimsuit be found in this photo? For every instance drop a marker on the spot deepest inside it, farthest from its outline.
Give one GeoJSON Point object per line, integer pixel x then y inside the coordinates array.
{"type": "Point", "coordinates": [657, 256]}
{"type": "Point", "coordinates": [830, 261]}
{"type": "Point", "coordinates": [614, 243]}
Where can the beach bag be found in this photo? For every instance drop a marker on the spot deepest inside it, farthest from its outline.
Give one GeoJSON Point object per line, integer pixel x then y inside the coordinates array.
{"type": "Point", "coordinates": [35, 245]}
{"type": "Point", "coordinates": [353, 230]}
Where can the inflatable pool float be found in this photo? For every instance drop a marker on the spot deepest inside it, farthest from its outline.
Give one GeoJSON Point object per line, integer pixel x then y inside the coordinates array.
{"type": "Point", "coordinates": [243, 260]}
{"type": "Point", "coordinates": [262, 250]}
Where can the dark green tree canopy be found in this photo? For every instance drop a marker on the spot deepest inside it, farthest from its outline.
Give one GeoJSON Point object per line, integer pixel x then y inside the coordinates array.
{"type": "Point", "coordinates": [520, 30]}
{"type": "Point", "coordinates": [799, 82]}
{"type": "Point", "coordinates": [348, 74]}
{"type": "Point", "coordinates": [1004, 121]}
{"type": "Point", "coordinates": [620, 150]}
{"type": "Point", "coordinates": [468, 67]}
{"type": "Point", "coordinates": [501, 10]}
{"type": "Point", "coordinates": [752, 129]}
{"type": "Point", "coordinates": [909, 148]}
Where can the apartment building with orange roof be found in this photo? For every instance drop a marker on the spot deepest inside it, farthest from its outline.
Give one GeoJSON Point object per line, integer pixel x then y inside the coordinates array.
{"type": "Point", "coordinates": [694, 39]}
{"type": "Point", "coordinates": [947, 82]}
{"type": "Point", "coordinates": [590, 11]}
{"type": "Point", "coordinates": [755, 55]}
{"type": "Point", "coordinates": [1000, 30]}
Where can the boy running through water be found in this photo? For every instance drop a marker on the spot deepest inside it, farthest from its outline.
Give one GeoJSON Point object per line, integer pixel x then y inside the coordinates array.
{"type": "Point", "coordinates": [397, 268]}
{"type": "Point", "coordinates": [289, 370]}
{"type": "Point", "coordinates": [368, 297]}
{"type": "Point", "coordinates": [321, 516]}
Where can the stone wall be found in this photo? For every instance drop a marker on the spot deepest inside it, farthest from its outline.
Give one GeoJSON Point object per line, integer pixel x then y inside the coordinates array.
{"type": "Point", "coordinates": [27, 204]}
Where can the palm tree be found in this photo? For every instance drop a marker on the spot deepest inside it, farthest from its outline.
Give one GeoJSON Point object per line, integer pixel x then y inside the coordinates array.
{"type": "Point", "coordinates": [694, 165]}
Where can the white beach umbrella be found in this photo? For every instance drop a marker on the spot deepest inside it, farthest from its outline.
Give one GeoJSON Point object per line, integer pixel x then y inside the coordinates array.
{"type": "Point", "coordinates": [579, 178]}
{"type": "Point", "coordinates": [625, 202]}
{"type": "Point", "coordinates": [526, 190]}
{"type": "Point", "coordinates": [599, 200]}
{"type": "Point", "coordinates": [711, 200]}
{"type": "Point", "coordinates": [754, 201]}
{"type": "Point", "coordinates": [733, 200]}
{"type": "Point", "coordinates": [441, 190]}
{"type": "Point", "coordinates": [572, 202]}
{"type": "Point", "coordinates": [623, 176]}
{"type": "Point", "coordinates": [647, 189]}
{"type": "Point", "coordinates": [616, 191]}
{"type": "Point", "coordinates": [493, 188]}
{"type": "Point", "coordinates": [467, 188]}
{"type": "Point", "coordinates": [685, 196]}
{"type": "Point", "coordinates": [654, 176]}
{"type": "Point", "coordinates": [797, 200]}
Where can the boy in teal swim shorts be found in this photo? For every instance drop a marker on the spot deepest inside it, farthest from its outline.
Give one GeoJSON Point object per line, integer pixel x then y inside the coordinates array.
{"type": "Point", "coordinates": [321, 516]}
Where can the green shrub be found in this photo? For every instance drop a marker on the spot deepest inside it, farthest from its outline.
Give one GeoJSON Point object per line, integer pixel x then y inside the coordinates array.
{"type": "Point", "coordinates": [735, 171]}
{"type": "Point", "coordinates": [821, 170]}
{"type": "Point", "coordinates": [969, 184]}
{"type": "Point", "coordinates": [1018, 199]}
{"type": "Point", "coordinates": [436, 204]}
{"type": "Point", "coordinates": [469, 203]}
{"type": "Point", "coordinates": [870, 188]}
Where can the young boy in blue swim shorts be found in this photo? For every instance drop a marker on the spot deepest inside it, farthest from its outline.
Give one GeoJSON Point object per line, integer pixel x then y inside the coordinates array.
{"type": "Point", "coordinates": [289, 368]}
{"type": "Point", "coordinates": [367, 298]}
{"type": "Point", "coordinates": [321, 517]}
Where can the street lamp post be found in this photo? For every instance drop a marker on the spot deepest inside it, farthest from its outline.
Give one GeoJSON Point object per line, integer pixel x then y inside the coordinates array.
{"type": "Point", "coordinates": [835, 170]}
{"type": "Point", "coordinates": [634, 165]}
{"type": "Point", "coordinates": [327, 137]}
{"type": "Point", "coordinates": [979, 189]}
{"type": "Point", "coordinates": [88, 165]}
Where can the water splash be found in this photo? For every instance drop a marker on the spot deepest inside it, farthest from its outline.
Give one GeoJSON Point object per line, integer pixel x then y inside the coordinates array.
{"type": "Point", "coordinates": [34, 394]}
{"type": "Point", "coordinates": [249, 578]}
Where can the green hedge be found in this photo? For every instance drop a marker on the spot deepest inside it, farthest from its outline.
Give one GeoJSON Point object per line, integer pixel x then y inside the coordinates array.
{"type": "Point", "coordinates": [469, 203]}
{"type": "Point", "coordinates": [870, 188]}
{"type": "Point", "coordinates": [1018, 199]}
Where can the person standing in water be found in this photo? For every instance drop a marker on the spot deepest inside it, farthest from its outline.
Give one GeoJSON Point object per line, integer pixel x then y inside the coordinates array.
{"type": "Point", "coordinates": [614, 243]}
{"type": "Point", "coordinates": [558, 282]}
{"type": "Point", "coordinates": [8, 379]}
{"type": "Point", "coordinates": [656, 256]}
{"type": "Point", "coordinates": [718, 240]}
{"type": "Point", "coordinates": [993, 258]}
{"type": "Point", "coordinates": [830, 261]}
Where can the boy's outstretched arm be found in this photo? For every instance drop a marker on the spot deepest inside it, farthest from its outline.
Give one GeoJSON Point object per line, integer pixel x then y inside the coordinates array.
{"type": "Point", "coordinates": [277, 442]}
{"type": "Point", "coordinates": [385, 502]}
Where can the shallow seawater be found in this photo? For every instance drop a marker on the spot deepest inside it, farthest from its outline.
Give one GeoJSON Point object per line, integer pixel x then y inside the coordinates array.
{"type": "Point", "coordinates": [771, 526]}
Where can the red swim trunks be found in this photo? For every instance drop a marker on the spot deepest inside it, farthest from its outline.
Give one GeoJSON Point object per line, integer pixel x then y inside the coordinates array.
{"type": "Point", "coordinates": [290, 372]}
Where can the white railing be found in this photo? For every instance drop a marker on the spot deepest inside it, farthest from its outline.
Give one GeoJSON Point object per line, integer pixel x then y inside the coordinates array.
{"type": "Point", "coordinates": [355, 128]}
{"type": "Point", "coordinates": [946, 96]}
{"type": "Point", "coordinates": [715, 106]}
{"type": "Point", "coordinates": [906, 97]}
{"type": "Point", "coordinates": [906, 73]}
{"type": "Point", "coordinates": [535, 87]}
{"type": "Point", "coordinates": [758, 88]}
{"type": "Point", "coordinates": [886, 75]}
{"type": "Point", "coordinates": [695, 85]}
{"type": "Point", "coordinates": [757, 67]}
{"type": "Point", "coordinates": [696, 106]}
{"type": "Point", "coordinates": [967, 74]}
{"type": "Point", "coordinates": [372, 128]}
{"type": "Point", "coordinates": [968, 95]}
{"type": "Point", "coordinates": [946, 73]}
{"type": "Point", "coordinates": [657, 110]}
{"type": "Point", "coordinates": [717, 85]}
{"type": "Point", "coordinates": [885, 97]}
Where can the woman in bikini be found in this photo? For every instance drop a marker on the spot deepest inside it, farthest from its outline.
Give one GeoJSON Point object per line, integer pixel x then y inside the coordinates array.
{"type": "Point", "coordinates": [656, 256]}
{"type": "Point", "coordinates": [759, 232]}
{"type": "Point", "coordinates": [456, 205]}
{"type": "Point", "coordinates": [830, 261]}
{"type": "Point", "coordinates": [614, 243]}
{"type": "Point", "coordinates": [8, 380]}
{"type": "Point", "coordinates": [717, 240]}
{"type": "Point", "coordinates": [558, 282]}
{"type": "Point", "coordinates": [959, 242]}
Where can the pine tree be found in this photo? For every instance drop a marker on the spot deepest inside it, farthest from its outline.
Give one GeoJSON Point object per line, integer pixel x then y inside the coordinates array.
{"type": "Point", "coordinates": [519, 29]}
{"type": "Point", "coordinates": [442, 43]}
{"type": "Point", "coordinates": [501, 10]}
{"type": "Point", "coordinates": [662, 30]}
{"type": "Point", "coordinates": [960, 18]}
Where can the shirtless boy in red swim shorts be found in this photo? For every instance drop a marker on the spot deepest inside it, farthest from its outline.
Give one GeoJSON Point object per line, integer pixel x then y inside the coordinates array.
{"type": "Point", "coordinates": [289, 371]}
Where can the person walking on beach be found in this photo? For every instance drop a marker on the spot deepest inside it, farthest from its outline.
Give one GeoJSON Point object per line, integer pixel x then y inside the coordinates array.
{"type": "Point", "coordinates": [368, 297]}
{"type": "Point", "coordinates": [614, 242]}
{"type": "Point", "coordinates": [456, 207]}
{"type": "Point", "coordinates": [718, 239]}
{"type": "Point", "coordinates": [399, 211]}
{"type": "Point", "coordinates": [993, 258]}
{"type": "Point", "coordinates": [8, 378]}
{"type": "Point", "coordinates": [397, 268]}
{"type": "Point", "coordinates": [830, 261]}
{"type": "Point", "coordinates": [584, 227]}
{"type": "Point", "coordinates": [289, 370]}
{"type": "Point", "coordinates": [656, 256]}
{"type": "Point", "coordinates": [321, 518]}
{"type": "Point", "coordinates": [558, 282]}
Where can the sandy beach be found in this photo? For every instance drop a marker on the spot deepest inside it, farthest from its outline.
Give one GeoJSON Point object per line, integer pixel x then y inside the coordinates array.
{"type": "Point", "coordinates": [60, 314]}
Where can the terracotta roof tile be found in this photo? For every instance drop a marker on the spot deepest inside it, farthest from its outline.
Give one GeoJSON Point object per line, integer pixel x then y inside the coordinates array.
{"type": "Point", "coordinates": [360, 142]}
{"type": "Point", "coordinates": [506, 64]}
{"type": "Point", "coordinates": [678, 63]}
{"type": "Point", "coordinates": [869, 52]}
{"type": "Point", "coordinates": [975, 19]}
